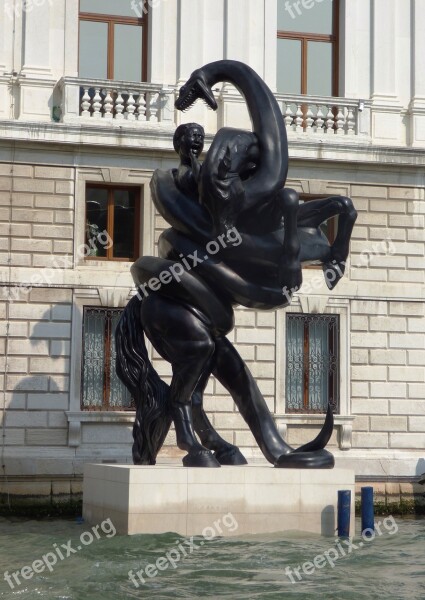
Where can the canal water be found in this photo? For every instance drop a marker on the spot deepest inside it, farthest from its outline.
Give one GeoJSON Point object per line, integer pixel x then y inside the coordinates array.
{"type": "Point", "coordinates": [67, 560]}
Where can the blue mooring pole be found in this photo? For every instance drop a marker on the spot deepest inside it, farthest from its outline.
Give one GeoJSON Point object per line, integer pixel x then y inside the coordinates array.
{"type": "Point", "coordinates": [368, 520]}
{"type": "Point", "coordinates": [344, 512]}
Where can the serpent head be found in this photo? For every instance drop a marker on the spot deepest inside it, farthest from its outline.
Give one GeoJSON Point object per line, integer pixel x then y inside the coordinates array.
{"type": "Point", "coordinates": [196, 87]}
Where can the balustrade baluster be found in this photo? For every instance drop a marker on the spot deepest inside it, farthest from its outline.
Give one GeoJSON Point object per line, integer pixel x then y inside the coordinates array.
{"type": "Point", "coordinates": [85, 103]}
{"type": "Point", "coordinates": [329, 121]}
{"type": "Point", "coordinates": [141, 107]}
{"type": "Point", "coordinates": [119, 107]}
{"type": "Point", "coordinates": [340, 122]}
{"type": "Point", "coordinates": [108, 106]}
{"type": "Point", "coordinates": [318, 126]}
{"type": "Point", "coordinates": [299, 119]}
{"type": "Point", "coordinates": [153, 107]}
{"type": "Point", "coordinates": [131, 108]}
{"type": "Point", "coordinates": [289, 117]}
{"type": "Point", "coordinates": [97, 104]}
{"type": "Point", "coordinates": [309, 120]}
{"type": "Point", "coordinates": [351, 122]}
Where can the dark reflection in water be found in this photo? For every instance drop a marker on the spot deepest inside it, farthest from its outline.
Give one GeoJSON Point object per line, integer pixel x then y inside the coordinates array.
{"type": "Point", "coordinates": [391, 567]}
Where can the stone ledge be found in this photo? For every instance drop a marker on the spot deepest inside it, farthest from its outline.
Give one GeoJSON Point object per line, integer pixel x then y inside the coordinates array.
{"type": "Point", "coordinates": [342, 422]}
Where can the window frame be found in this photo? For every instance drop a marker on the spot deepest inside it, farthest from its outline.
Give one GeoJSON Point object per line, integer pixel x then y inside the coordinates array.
{"type": "Point", "coordinates": [110, 220]}
{"type": "Point", "coordinates": [305, 38]}
{"type": "Point", "coordinates": [111, 21]}
{"type": "Point", "coordinates": [334, 341]}
{"type": "Point", "coordinates": [106, 407]}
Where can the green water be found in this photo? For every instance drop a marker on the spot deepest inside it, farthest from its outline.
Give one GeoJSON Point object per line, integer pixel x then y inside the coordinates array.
{"type": "Point", "coordinates": [391, 567]}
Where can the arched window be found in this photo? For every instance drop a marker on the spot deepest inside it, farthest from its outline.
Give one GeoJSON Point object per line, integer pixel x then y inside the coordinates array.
{"type": "Point", "coordinates": [307, 47]}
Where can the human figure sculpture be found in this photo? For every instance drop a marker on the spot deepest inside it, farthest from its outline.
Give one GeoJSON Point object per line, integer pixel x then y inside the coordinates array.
{"type": "Point", "coordinates": [188, 142]}
{"type": "Point", "coordinates": [186, 296]}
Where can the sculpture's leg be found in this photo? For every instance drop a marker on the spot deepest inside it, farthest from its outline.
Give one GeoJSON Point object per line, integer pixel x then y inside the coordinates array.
{"type": "Point", "coordinates": [233, 373]}
{"type": "Point", "coordinates": [290, 273]}
{"type": "Point", "coordinates": [341, 246]}
{"type": "Point", "coordinates": [184, 341]}
{"type": "Point", "coordinates": [316, 212]}
{"type": "Point", "coordinates": [224, 452]}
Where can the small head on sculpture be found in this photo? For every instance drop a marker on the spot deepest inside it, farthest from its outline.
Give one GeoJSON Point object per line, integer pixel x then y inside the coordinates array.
{"type": "Point", "coordinates": [195, 88]}
{"type": "Point", "coordinates": [189, 140]}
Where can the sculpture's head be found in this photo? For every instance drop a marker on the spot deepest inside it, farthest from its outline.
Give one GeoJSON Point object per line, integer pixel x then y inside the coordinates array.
{"type": "Point", "coordinates": [196, 87]}
{"type": "Point", "coordinates": [189, 139]}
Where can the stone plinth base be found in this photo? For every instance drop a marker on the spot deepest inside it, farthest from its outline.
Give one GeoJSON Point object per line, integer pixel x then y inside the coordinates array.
{"type": "Point", "coordinates": [261, 499]}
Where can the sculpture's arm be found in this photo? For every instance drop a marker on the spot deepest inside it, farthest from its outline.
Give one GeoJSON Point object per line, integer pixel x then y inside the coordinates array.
{"type": "Point", "coordinates": [196, 167]}
{"type": "Point", "coordinates": [187, 177]}
{"type": "Point", "coordinates": [183, 213]}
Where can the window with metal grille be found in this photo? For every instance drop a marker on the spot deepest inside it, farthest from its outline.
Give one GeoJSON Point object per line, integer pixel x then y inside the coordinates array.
{"type": "Point", "coordinates": [113, 40]}
{"type": "Point", "coordinates": [307, 48]}
{"type": "Point", "coordinates": [312, 363]}
{"type": "Point", "coordinates": [101, 388]}
{"type": "Point", "coordinates": [112, 222]}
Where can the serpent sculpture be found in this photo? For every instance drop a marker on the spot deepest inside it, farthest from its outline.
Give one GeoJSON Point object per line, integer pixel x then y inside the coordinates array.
{"type": "Point", "coordinates": [237, 236]}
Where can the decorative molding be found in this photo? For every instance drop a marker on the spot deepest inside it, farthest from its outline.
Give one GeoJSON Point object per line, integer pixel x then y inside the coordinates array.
{"type": "Point", "coordinates": [76, 418]}
{"type": "Point", "coordinates": [114, 297]}
{"type": "Point", "coordinates": [313, 304]}
{"type": "Point", "coordinates": [74, 433]}
{"type": "Point", "coordinates": [34, 72]}
{"type": "Point", "coordinates": [114, 174]}
{"type": "Point", "coordinates": [346, 436]}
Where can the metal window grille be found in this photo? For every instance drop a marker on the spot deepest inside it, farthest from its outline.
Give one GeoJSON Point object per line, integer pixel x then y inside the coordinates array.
{"type": "Point", "coordinates": [101, 388]}
{"type": "Point", "coordinates": [312, 363]}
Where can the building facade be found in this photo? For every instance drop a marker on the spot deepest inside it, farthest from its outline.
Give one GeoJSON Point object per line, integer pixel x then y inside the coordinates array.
{"type": "Point", "coordinates": [87, 114]}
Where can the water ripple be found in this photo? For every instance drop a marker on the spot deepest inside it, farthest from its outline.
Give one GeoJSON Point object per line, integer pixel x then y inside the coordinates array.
{"type": "Point", "coordinates": [249, 567]}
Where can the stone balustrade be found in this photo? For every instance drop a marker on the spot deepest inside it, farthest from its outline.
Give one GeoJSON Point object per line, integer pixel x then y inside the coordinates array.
{"type": "Point", "coordinates": [316, 115]}
{"type": "Point", "coordinates": [114, 102]}
{"type": "Point", "coordinates": [119, 103]}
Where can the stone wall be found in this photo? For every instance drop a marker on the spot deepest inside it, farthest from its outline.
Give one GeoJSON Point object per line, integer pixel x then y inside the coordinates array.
{"type": "Point", "coordinates": [36, 214]}
{"type": "Point", "coordinates": [36, 236]}
{"type": "Point", "coordinates": [383, 291]}
{"type": "Point", "coordinates": [388, 334]}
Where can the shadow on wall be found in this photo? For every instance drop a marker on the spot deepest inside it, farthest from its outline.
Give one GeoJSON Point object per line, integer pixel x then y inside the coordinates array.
{"type": "Point", "coordinates": [48, 358]}
{"type": "Point", "coordinates": [420, 467]}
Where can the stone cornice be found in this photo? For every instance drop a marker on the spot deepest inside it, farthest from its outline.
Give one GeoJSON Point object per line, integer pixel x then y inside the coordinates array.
{"type": "Point", "coordinates": [157, 138]}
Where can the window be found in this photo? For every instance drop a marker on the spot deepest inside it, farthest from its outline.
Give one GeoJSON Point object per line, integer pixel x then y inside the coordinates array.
{"type": "Point", "coordinates": [101, 388]}
{"type": "Point", "coordinates": [307, 48]}
{"type": "Point", "coordinates": [112, 222]}
{"type": "Point", "coordinates": [113, 40]}
{"type": "Point", "coordinates": [312, 363]}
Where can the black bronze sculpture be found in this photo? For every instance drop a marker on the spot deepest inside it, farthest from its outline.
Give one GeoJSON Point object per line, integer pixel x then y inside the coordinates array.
{"type": "Point", "coordinates": [236, 237]}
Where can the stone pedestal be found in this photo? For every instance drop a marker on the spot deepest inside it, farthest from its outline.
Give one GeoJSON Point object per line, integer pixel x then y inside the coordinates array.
{"type": "Point", "coordinates": [171, 498]}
